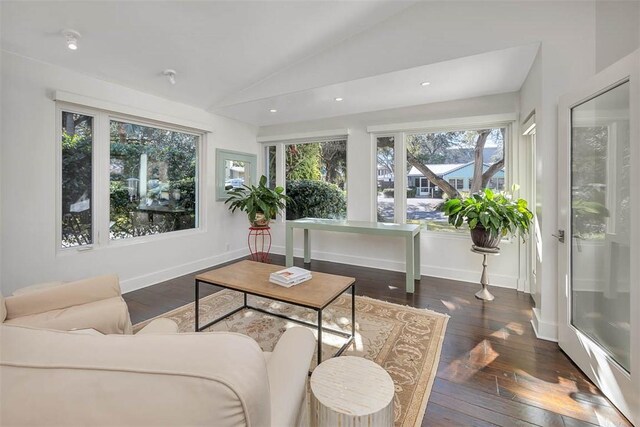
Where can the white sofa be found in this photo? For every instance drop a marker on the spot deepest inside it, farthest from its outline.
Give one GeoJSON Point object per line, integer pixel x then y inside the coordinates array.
{"type": "Point", "coordinates": [58, 378]}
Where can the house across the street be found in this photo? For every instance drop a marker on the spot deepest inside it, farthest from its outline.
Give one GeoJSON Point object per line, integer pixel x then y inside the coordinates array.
{"type": "Point", "coordinates": [459, 175]}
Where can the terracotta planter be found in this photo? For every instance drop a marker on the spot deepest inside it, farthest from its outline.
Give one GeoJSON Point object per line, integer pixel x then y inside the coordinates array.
{"type": "Point", "coordinates": [483, 238]}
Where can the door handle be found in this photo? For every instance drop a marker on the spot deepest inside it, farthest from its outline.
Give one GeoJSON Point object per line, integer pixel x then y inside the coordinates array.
{"type": "Point", "coordinates": [559, 236]}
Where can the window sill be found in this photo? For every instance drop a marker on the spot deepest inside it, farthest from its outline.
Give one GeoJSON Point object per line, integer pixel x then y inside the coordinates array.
{"type": "Point", "coordinates": [130, 241]}
{"type": "Point", "coordinates": [445, 235]}
{"type": "Point", "coordinates": [153, 238]}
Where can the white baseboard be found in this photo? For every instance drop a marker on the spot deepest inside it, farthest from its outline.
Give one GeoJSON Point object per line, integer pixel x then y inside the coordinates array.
{"type": "Point", "coordinates": [145, 280]}
{"type": "Point", "coordinates": [523, 285]}
{"type": "Point", "coordinates": [544, 330]}
{"type": "Point", "coordinates": [470, 276]}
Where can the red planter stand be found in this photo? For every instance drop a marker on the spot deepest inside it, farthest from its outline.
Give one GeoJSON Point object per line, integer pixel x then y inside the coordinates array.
{"type": "Point", "coordinates": [259, 242]}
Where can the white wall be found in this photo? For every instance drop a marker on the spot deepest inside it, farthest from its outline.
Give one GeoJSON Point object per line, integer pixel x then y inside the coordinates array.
{"type": "Point", "coordinates": [617, 31]}
{"type": "Point", "coordinates": [571, 51]}
{"type": "Point", "coordinates": [560, 66]}
{"type": "Point", "coordinates": [443, 255]}
{"type": "Point", "coordinates": [28, 186]}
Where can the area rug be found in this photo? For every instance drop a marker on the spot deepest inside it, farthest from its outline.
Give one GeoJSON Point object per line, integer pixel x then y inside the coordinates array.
{"type": "Point", "coordinates": [405, 341]}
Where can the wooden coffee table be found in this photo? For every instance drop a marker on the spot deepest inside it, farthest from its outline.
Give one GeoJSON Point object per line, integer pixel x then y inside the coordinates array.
{"type": "Point", "coordinates": [252, 278]}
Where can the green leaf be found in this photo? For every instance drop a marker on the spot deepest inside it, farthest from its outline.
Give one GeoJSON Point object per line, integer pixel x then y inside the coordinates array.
{"type": "Point", "coordinates": [488, 193]}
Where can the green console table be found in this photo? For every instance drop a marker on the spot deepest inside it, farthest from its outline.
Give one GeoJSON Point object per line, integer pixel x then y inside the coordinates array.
{"type": "Point", "coordinates": [410, 232]}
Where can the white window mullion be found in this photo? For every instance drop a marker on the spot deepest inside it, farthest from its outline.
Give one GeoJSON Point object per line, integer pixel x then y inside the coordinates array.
{"type": "Point", "coordinates": [400, 178]}
{"type": "Point", "coordinates": [101, 169]}
{"type": "Point", "coordinates": [201, 182]}
{"type": "Point", "coordinates": [280, 165]}
{"type": "Point", "coordinates": [374, 172]}
{"type": "Point", "coordinates": [58, 180]}
{"type": "Point", "coordinates": [280, 171]}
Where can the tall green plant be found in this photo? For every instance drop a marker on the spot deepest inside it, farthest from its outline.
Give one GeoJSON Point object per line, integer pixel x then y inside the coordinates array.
{"type": "Point", "coordinates": [499, 213]}
{"type": "Point", "coordinates": [254, 199]}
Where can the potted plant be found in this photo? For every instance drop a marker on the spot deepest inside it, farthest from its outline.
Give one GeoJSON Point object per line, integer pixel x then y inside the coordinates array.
{"type": "Point", "coordinates": [490, 216]}
{"type": "Point", "coordinates": [261, 203]}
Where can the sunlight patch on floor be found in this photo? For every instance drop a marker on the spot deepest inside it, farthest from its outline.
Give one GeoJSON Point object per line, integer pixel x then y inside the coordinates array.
{"type": "Point", "coordinates": [330, 339]}
{"type": "Point", "coordinates": [450, 306]}
{"type": "Point", "coordinates": [514, 327]}
{"type": "Point", "coordinates": [461, 370]}
{"type": "Point", "coordinates": [461, 300]}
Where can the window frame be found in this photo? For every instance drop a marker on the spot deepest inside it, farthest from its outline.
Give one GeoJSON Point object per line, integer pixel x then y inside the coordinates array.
{"type": "Point", "coordinates": [100, 203]}
{"type": "Point", "coordinates": [458, 183]}
{"type": "Point", "coordinates": [506, 121]}
{"type": "Point", "coordinates": [74, 109]}
{"type": "Point", "coordinates": [222, 156]}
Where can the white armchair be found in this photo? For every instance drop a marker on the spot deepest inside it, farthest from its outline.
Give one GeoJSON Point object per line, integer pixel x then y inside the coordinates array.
{"type": "Point", "coordinates": [94, 303]}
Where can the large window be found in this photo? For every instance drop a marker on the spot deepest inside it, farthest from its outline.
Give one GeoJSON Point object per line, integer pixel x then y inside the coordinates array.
{"type": "Point", "coordinates": [152, 180]}
{"type": "Point", "coordinates": [77, 182]}
{"type": "Point", "coordinates": [448, 164]}
{"type": "Point", "coordinates": [316, 179]}
{"type": "Point", "coordinates": [123, 178]}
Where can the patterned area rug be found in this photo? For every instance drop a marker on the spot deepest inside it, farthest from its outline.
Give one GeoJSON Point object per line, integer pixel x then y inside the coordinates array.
{"type": "Point", "coordinates": [405, 341]}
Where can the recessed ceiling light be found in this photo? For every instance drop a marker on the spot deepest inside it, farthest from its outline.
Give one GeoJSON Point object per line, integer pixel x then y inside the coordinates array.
{"type": "Point", "coordinates": [425, 83]}
{"type": "Point", "coordinates": [273, 110]}
{"type": "Point", "coordinates": [338, 99]}
{"type": "Point", "coordinates": [72, 38]}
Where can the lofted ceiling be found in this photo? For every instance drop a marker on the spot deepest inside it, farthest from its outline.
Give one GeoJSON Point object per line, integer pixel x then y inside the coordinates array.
{"type": "Point", "coordinates": [242, 58]}
{"type": "Point", "coordinates": [476, 75]}
{"type": "Point", "coordinates": [217, 48]}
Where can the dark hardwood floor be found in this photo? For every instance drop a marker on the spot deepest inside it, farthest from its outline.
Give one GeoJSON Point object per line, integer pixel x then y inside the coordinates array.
{"type": "Point", "coordinates": [493, 370]}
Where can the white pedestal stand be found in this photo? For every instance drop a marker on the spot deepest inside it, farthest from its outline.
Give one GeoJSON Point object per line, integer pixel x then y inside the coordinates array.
{"type": "Point", "coordinates": [484, 293]}
{"type": "Point", "coordinates": [351, 391]}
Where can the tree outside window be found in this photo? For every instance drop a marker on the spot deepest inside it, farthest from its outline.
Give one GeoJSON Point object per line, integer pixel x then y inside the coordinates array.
{"type": "Point", "coordinates": [448, 164]}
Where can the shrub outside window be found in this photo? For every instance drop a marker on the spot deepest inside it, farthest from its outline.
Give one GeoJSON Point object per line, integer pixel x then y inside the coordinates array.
{"type": "Point", "coordinates": [152, 180]}
{"type": "Point", "coordinates": [315, 175]}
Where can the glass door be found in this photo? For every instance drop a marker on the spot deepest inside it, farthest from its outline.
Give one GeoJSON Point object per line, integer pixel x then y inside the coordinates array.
{"type": "Point", "coordinates": [597, 206]}
{"type": "Point", "coordinates": [600, 222]}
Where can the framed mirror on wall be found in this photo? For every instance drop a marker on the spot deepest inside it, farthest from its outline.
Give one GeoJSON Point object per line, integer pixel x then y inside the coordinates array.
{"type": "Point", "coordinates": [234, 169]}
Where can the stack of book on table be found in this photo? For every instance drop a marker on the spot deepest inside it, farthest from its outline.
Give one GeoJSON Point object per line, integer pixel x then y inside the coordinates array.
{"type": "Point", "coordinates": [290, 276]}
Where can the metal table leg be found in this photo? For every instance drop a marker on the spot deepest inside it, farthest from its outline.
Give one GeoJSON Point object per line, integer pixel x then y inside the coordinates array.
{"type": "Point", "coordinates": [353, 311]}
{"type": "Point", "coordinates": [197, 303]}
{"type": "Point", "coordinates": [319, 337]}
